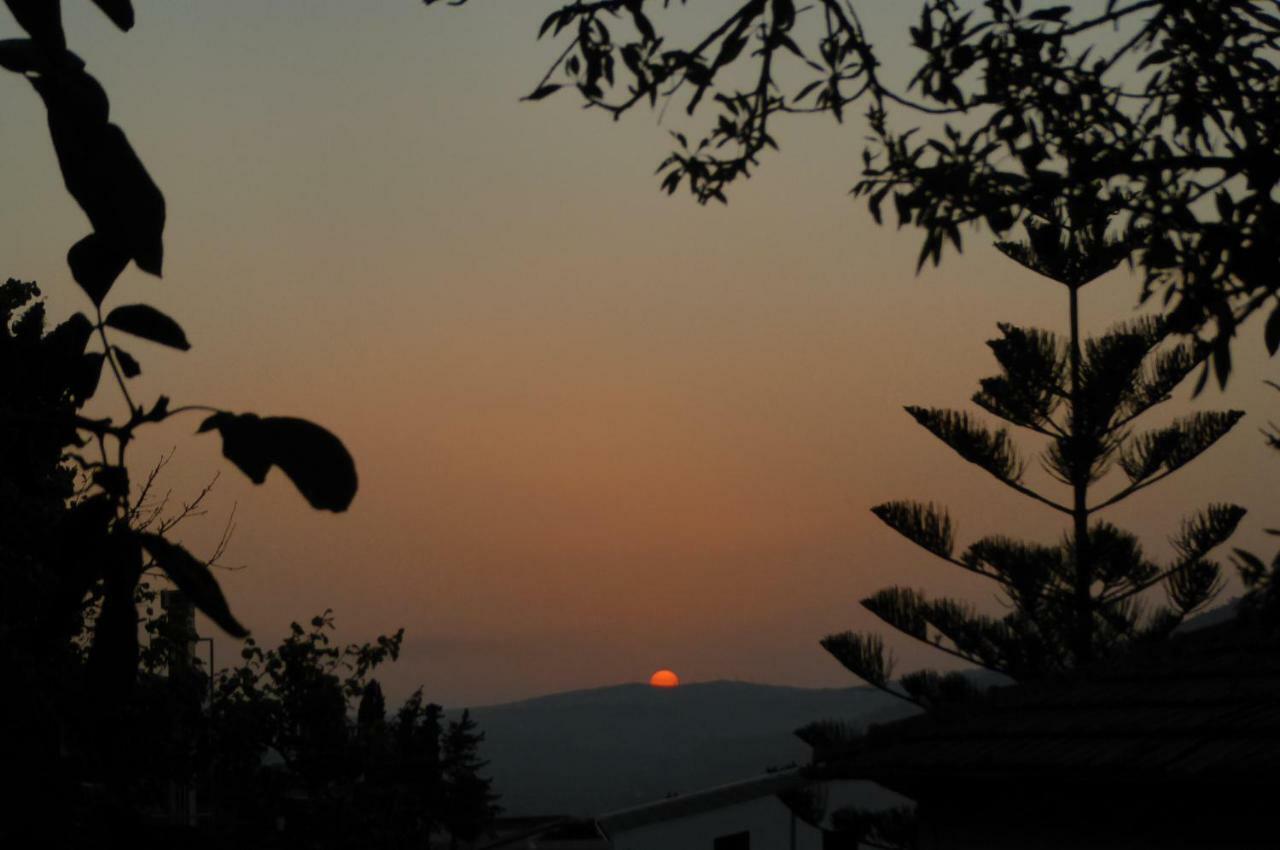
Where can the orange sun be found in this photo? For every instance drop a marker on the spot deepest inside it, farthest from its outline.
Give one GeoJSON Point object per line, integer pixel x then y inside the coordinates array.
{"type": "Point", "coordinates": [664, 679]}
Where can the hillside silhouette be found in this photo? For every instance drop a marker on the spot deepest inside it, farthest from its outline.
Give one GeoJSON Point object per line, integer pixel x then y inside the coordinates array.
{"type": "Point", "coordinates": [592, 751]}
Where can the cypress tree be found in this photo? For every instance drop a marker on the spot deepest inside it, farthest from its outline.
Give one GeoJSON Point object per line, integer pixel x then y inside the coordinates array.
{"type": "Point", "coordinates": [469, 802]}
{"type": "Point", "coordinates": [416, 740]}
{"type": "Point", "coordinates": [371, 715]}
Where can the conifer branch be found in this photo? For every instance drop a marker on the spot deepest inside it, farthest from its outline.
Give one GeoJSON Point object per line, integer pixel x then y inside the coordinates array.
{"type": "Point", "coordinates": [1129, 491]}
{"type": "Point", "coordinates": [1027, 491]}
{"type": "Point", "coordinates": [1169, 448]}
{"type": "Point", "coordinates": [924, 525]}
{"type": "Point", "coordinates": [828, 738]}
{"type": "Point", "coordinates": [864, 656]}
{"type": "Point", "coordinates": [990, 451]}
{"type": "Point", "coordinates": [1169, 370]}
{"type": "Point", "coordinates": [909, 612]}
{"type": "Point", "coordinates": [1198, 536]}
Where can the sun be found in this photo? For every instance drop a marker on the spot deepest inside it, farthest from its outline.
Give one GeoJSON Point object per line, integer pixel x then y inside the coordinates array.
{"type": "Point", "coordinates": [664, 679]}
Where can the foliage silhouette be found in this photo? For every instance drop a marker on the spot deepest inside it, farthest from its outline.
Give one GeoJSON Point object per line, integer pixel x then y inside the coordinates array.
{"type": "Point", "coordinates": [43, 544]}
{"type": "Point", "coordinates": [1170, 106]}
{"type": "Point", "coordinates": [381, 782]}
{"type": "Point", "coordinates": [1072, 603]}
{"type": "Point", "coordinates": [468, 804]}
{"type": "Point", "coordinates": [76, 539]}
{"type": "Point", "coordinates": [127, 213]}
{"type": "Point", "coordinates": [293, 700]}
{"type": "Point", "coordinates": [39, 533]}
{"type": "Point", "coordinates": [1262, 581]}
{"type": "Point", "coordinates": [413, 781]}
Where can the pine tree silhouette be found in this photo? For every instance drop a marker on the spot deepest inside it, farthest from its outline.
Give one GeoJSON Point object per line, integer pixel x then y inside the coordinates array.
{"type": "Point", "coordinates": [1081, 599]}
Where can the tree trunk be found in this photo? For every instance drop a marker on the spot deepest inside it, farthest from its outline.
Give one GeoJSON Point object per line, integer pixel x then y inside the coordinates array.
{"type": "Point", "coordinates": [1081, 462]}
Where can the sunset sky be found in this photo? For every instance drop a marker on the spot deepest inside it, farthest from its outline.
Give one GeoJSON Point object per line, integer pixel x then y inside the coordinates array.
{"type": "Point", "coordinates": [599, 431]}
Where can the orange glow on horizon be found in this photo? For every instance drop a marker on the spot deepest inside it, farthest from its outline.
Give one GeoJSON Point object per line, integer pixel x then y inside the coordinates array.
{"type": "Point", "coordinates": [664, 679]}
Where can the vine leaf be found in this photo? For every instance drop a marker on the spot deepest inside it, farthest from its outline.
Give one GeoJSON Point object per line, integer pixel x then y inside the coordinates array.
{"type": "Point", "coordinates": [128, 365]}
{"type": "Point", "coordinates": [99, 166]}
{"type": "Point", "coordinates": [194, 579]}
{"type": "Point", "coordinates": [95, 264]}
{"type": "Point", "coordinates": [119, 11]}
{"type": "Point", "coordinates": [148, 323]}
{"type": "Point", "coordinates": [71, 337]}
{"type": "Point", "coordinates": [314, 459]}
{"type": "Point", "coordinates": [41, 19]}
{"type": "Point", "coordinates": [77, 369]}
{"type": "Point", "coordinates": [85, 378]}
{"type": "Point", "coordinates": [26, 56]}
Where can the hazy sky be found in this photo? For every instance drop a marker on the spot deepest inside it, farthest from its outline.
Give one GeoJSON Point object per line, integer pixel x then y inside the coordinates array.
{"type": "Point", "coordinates": [599, 431]}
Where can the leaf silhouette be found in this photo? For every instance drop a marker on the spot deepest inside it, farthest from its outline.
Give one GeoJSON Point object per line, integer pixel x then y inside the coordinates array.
{"type": "Point", "coordinates": [70, 337]}
{"type": "Point", "coordinates": [314, 459]}
{"type": "Point", "coordinates": [195, 580]}
{"type": "Point", "coordinates": [128, 364]}
{"type": "Point", "coordinates": [40, 18]}
{"type": "Point", "coordinates": [86, 376]}
{"type": "Point", "coordinates": [1056, 13]}
{"type": "Point", "coordinates": [99, 166]}
{"type": "Point", "coordinates": [24, 56]}
{"type": "Point", "coordinates": [148, 323]}
{"type": "Point", "coordinates": [95, 264]}
{"type": "Point", "coordinates": [119, 11]}
{"type": "Point", "coordinates": [542, 91]}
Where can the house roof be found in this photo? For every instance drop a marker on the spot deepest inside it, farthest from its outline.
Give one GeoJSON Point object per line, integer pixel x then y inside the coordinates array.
{"type": "Point", "coordinates": [552, 829]}
{"type": "Point", "coordinates": [685, 805]}
{"type": "Point", "coordinates": [546, 831]}
{"type": "Point", "coordinates": [1201, 706]}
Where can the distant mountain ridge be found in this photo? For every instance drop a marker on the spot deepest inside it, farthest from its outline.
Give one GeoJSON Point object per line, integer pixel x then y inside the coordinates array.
{"type": "Point", "coordinates": [591, 751]}
{"type": "Point", "coordinates": [588, 752]}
